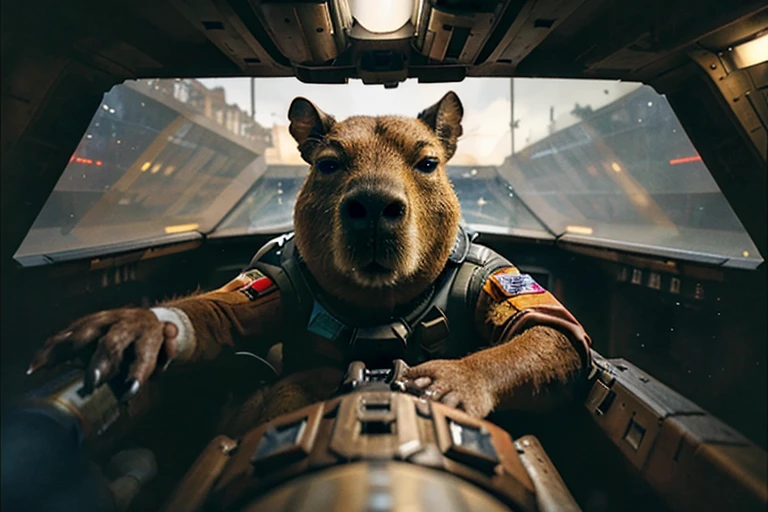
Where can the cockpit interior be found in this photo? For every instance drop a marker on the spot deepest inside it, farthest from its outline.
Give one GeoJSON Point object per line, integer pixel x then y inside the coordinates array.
{"type": "Point", "coordinates": [617, 152]}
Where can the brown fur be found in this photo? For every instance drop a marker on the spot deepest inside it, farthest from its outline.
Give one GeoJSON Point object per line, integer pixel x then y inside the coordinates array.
{"type": "Point", "coordinates": [532, 371]}
{"type": "Point", "coordinates": [380, 153]}
{"type": "Point", "coordinates": [377, 153]}
{"type": "Point", "coordinates": [379, 156]}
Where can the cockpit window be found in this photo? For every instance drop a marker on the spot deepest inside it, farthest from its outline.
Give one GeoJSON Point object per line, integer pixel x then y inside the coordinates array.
{"type": "Point", "coordinates": [488, 203]}
{"type": "Point", "coordinates": [583, 161]}
{"type": "Point", "coordinates": [160, 158]}
{"type": "Point", "coordinates": [619, 171]}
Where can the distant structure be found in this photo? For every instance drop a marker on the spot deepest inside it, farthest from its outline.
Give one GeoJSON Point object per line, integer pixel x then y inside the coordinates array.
{"type": "Point", "coordinates": [211, 103]}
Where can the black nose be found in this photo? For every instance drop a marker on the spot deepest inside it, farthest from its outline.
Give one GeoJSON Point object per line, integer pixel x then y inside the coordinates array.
{"type": "Point", "coordinates": [362, 209]}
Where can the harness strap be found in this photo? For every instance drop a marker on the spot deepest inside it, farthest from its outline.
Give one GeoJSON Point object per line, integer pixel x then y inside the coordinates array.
{"type": "Point", "coordinates": [424, 331]}
{"type": "Point", "coordinates": [479, 264]}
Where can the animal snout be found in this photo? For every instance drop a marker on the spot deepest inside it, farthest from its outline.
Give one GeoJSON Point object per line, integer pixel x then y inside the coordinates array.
{"type": "Point", "coordinates": [365, 208]}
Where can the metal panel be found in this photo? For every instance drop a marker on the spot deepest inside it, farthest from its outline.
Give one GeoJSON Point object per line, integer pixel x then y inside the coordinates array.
{"type": "Point", "coordinates": [305, 32]}
{"type": "Point", "coordinates": [455, 35]}
{"type": "Point", "coordinates": [692, 459]}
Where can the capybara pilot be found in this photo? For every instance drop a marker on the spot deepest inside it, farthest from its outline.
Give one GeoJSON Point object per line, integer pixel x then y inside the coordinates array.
{"type": "Point", "coordinates": [378, 268]}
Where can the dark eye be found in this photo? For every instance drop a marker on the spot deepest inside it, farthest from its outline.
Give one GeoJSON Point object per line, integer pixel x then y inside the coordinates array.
{"type": "Point", "coordinates": [427, 165]}
{"type": "Point", "coordinates": [327, 165]}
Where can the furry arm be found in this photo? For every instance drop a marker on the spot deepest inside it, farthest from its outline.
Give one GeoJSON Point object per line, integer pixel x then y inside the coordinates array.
{"type": "Point", "coordinates": [537, 356]}
{"type": "Point", "coordinates": [535, 370]}
{"type": "Point", "coordinates": [229, 316]}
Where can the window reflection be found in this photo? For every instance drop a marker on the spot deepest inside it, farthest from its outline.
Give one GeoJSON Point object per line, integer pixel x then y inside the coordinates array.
{"type": "Point", "coordinates": [599, 162]}
{"type": "Point", "coordinates": [627, 172]}
{"type": "Point", "coordinates": [488, 202]}
{"type": "Point", "coordinates": [159, 157]}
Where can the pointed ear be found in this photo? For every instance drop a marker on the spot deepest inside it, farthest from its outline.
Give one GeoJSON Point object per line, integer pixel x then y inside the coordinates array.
{"type": "Point", "coordinates": [309, 125]}
{"type": "Point", "coordinates": [444, 117]}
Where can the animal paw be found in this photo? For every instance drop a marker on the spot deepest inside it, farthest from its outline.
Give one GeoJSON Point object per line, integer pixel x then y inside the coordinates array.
{"type": "Point", "coordinates": [453, 383]}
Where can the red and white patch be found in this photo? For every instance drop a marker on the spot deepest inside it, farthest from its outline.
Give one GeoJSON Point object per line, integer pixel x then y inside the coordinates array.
{"type": "Point", "coordinates": [258, 288]}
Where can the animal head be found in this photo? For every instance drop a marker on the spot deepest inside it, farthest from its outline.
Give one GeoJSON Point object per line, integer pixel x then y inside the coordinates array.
{"type": "Point", "coordinates": [377, 217]}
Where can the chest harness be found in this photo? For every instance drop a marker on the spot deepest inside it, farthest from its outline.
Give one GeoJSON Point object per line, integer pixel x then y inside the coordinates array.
{"type": "Point", "coordinates": [437, 324]}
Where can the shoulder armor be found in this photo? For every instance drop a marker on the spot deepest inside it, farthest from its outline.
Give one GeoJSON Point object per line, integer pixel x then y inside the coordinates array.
{"type": "Point", "coordinates": [461, 246]}
{"type": "Point", "coordinates": [479, 264]}
{"type": "Point", "coordinates": [488, 261]}
{"type": "Point", "coordinates": [483, 256]}
{"type": "Point", "coordinates": [270, 252]}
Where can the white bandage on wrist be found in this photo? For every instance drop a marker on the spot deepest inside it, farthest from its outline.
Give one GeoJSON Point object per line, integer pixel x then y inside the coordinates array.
{"type": "Point", "coordinates": [186, 338]}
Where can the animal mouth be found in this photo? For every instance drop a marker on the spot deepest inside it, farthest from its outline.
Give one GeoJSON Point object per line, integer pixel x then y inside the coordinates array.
{"type": "Point", "coordinates": [375, 275]}
{"type": "Point", "coordinates": [377, 269]}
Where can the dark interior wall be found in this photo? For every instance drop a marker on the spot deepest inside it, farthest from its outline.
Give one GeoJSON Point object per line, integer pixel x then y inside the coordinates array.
{"type": "Point", "coordinates": [712, 351]}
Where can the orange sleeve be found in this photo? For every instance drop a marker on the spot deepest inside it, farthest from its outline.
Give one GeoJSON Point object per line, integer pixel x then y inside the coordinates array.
{"type": "Point", "coordinates": [512, 302]}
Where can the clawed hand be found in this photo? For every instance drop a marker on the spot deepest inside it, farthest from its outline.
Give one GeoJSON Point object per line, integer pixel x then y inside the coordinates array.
{"type": "Point", "coordinates": [111, 334]}
{"type": "Point", "coordinates": [453, 383]}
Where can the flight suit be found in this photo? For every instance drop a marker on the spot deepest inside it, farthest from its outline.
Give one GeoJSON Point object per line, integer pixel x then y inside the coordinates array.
{"type": "Point", "coordinates": [480, 299]}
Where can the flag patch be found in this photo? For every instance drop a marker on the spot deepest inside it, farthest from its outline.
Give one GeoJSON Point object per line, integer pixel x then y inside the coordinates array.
{"type": "Point", "coordinates": [516, 284]}
{"type": "Point", "coordinates": [258, 288]}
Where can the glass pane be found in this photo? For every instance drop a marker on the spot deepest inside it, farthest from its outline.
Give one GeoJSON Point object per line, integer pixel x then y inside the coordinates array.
{"type": "Point", "coordinates": [610, 162]}
{"type": "Point", "coordinates": [604, 161]}
{"type": "Point", "coordinates": [488, 203]}
{"type": "Point", "coordinates": [159, 157]}
{"type": "Point", "coordinates": [268, 207]}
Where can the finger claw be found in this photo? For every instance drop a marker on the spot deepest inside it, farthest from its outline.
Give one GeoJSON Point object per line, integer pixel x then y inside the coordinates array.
{"type": "Point", "coordinates": [133, 389]}
{"type": "Point", "coordinates": [399, 385]}
{"type": "Point", "coordinates": [37, 363]}
{"type": "Point", "coordinates": [96, 377]}
{"type": "Point", "coordinates": [92, 379]}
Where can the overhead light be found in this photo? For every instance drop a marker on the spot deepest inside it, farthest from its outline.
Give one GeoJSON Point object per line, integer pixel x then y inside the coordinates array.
{"type": "Point", "coordinates": [748, 54]}
{"type": "Point", "coordinates": [382, 16]}
{"type": "Point", "coordinates": [616, 167]}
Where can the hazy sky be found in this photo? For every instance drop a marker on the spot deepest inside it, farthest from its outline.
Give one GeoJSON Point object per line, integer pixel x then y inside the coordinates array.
{"type": "Point", "coordinates": [486, 104]}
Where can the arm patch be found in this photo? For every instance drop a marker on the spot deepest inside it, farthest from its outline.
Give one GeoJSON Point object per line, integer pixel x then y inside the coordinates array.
{"type": "Point", "coordinates": [258, 288]}
{"type": "Point", "coordinates": [251, 283]}
{"type": "Point", "coordinates": [513, 302]}
{"type": "Point", "coordinates": [520, 291]}
{"type": "Point", "coordinates": [511, 283]}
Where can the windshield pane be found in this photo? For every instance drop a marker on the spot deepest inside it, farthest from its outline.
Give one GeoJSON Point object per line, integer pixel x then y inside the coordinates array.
{"type": "Point", "coordinates": [488, 203]}
{"type": "Point", "coordinates": [487, 200]}
{"type": "Point", "coordinates": [599, 162]}
{"type": "Point", "coordinates": [617, 169]}
{"type": "Point", "coordinates": [159, 157]}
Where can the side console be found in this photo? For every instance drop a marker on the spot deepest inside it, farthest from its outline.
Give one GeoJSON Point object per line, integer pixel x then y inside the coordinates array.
{"type": "Point", "coordinates": [691, 459]}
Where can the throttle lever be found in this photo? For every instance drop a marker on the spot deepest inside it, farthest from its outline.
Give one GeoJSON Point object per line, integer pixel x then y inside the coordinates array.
{"type": "Point", "coordinates": [358, 375]}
